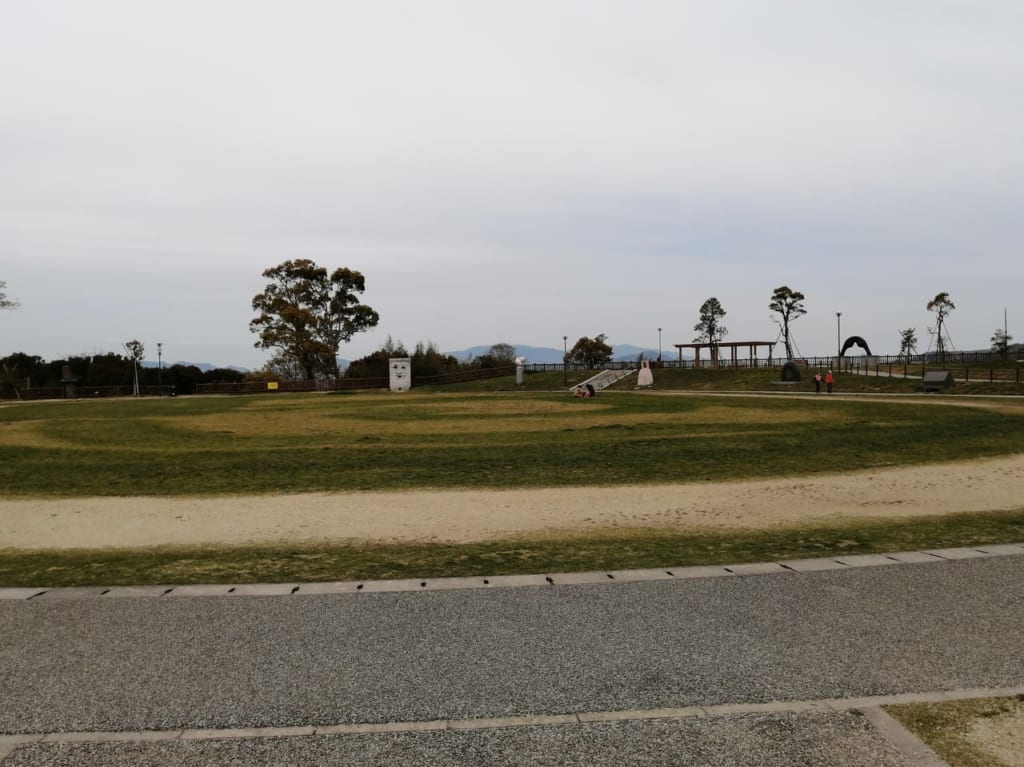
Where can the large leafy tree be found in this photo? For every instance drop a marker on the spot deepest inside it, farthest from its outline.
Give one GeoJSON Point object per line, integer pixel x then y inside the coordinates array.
{"type": "Point", "coordinates": [5, 302]}
{"type": "Point", "coordinates": [710, 327]}
{"type": "Point", "coordinates": [20, 368]}
{"type": "Point", "coordinates": [942, 306]}
{"type": "Point", "coordinates": [280, 367]}
{"type": "Point", "coordinates": [789, 305]}
{"type": "Point", "coordinates": [307, 314]}
{"type": "Point", "coordinates": [502, 353]}
{"type": "Point", "coordinates": [590, 352]}
{"type": "Point", "coordinates": [498, 355]}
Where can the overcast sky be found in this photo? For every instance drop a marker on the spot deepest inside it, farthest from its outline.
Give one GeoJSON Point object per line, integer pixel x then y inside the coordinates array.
{"type": "Point", "coordinates": [509, 171]}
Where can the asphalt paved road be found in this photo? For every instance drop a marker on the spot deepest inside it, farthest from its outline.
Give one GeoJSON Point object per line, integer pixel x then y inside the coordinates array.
{"type": "Point", "coordinates": [226, 662]}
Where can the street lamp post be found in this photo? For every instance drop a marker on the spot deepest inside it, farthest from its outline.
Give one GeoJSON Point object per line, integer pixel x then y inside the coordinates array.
{"type": "Point", "coordinates": [839, 337]}
{"type": "Point", "coordinates": [160, 368]}
{"type": "Point", "coordinates": [565, 360]}
{"type": "Point", "coordinates": [659, 346]}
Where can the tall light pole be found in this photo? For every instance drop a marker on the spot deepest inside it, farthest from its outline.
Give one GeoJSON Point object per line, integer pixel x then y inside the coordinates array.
{"type": "Point", "coordinates": [839, 337]}
{"type": "Point", "coordinates": [565, 360]}
{"type": "Point", "coordinates": [1006, 338]}
{"type": "Point", "coordinates": [159, 368]}
{"type": "Point", "coordinates": [659, 346]}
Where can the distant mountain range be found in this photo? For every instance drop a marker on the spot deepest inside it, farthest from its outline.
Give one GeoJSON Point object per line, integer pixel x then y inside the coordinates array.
{"type": "Point", "coordinates": [537, 354]}
{"type": "Point", "coordinates": [204, 366]}
{"type": "Point", "coordinates": [541, 354]}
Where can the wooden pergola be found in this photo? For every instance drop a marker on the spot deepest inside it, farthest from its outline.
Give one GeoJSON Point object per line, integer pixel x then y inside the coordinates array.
{"type": "Point", "coordinates": [732, 346]}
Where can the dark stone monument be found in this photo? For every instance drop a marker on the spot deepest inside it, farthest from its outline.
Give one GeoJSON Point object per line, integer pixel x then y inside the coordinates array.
{"type": "Point", "coordinates": [68, 382]}
{"type": "Point", "coordinates": [790, 372]}
{"type": "Point", "coordinates": [855, 341]}
{"type": "Point", "coordinates": [937, 380]}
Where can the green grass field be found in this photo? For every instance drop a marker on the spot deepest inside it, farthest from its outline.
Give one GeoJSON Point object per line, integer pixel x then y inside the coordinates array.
{"type": "Point", "coordinates": [296, 443]}
{"type": "Point", "coordinates": [610, 550]}
{"type": "Point", "coordinates": [767, 380]}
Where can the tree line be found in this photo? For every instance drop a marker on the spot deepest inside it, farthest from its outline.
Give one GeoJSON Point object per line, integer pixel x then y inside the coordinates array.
{"type": "Point", "coordinates": [22, 371]}
{"type": "Point", "coordinates": [305, 314]}
{"type": "Point", "coordinates": [787, 306]}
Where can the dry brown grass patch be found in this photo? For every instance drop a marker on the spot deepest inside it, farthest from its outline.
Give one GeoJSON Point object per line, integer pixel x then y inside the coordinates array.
{"type": "Point", "coordinates": [26, 434]}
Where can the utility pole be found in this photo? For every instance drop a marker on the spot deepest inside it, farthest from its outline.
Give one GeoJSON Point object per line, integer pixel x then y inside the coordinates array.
{"type": "Point", "coordinates": [565, 360]}
{"type": "Point", "coordinates": [1006, 337]}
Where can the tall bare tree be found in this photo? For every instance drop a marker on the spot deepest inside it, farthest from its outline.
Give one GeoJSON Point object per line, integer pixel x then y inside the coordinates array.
{"type": "Point", "coordinates": [942, 306]}
{"type": "Point", "coordinates": [135, 350]}
{"type": "Point", "coordinates": [788, 304]}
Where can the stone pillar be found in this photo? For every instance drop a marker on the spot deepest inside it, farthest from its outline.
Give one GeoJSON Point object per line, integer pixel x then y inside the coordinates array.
{"type": "Point", "coordinates": [68, 381]}
{"type": "Point", "coordinates": [401, 373]}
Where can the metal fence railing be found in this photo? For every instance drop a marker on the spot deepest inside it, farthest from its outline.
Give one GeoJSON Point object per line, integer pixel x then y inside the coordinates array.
{"type": "Point", "coordinates": [87, 392]}
{"type": "Point", "coordinates": [912, 366]}
{"type": "Point", "coordinates": [318, 384]}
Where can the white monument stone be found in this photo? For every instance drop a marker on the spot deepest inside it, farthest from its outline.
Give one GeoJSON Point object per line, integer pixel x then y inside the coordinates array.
{"type": "Point", "coordinates": [401, 373]}
{"type": "Point", "coordinates": [520, 364]}
{"type": "Point", "coordinates": [646, 376]}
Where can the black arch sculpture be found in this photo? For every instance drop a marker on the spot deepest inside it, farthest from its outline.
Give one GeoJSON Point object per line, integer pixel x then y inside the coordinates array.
{"type": "Point", "coordinates": [855, 341]}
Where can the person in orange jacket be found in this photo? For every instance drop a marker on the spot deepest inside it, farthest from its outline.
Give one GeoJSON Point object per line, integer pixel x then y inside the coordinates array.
{"type": "Point", "coordinates": [829, 380]}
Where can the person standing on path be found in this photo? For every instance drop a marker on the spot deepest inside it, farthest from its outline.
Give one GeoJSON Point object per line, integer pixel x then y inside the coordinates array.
{"type": "Point", "coordinates": [829, 380]}
{"type": "Point", "coordinates": [817, 383]}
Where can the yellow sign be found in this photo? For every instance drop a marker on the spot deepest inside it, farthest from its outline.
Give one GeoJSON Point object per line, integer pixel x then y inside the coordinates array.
{"type": "Point", "coordinates": [272, 385]}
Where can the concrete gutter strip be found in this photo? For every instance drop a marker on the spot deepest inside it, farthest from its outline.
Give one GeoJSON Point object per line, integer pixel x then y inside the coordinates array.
{"type": "Point", "coordinates": [867, 705]}
{"type": "Point", "coordinates": [515, 581]}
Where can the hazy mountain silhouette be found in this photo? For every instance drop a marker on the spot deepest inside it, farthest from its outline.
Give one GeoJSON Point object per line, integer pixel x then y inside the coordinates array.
{"type": "Point", "coordinates": [543, 354]}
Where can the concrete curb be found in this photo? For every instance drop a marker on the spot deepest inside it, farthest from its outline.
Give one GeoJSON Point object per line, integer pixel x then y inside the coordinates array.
{"type": "Point", "coordinates": [889, 727]}
{"type": "Point", "coordinates": [792, 567]}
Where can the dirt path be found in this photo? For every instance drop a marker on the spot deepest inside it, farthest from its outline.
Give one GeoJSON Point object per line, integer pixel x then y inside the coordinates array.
{"type": "Point", "coordinates": [474, 515]}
